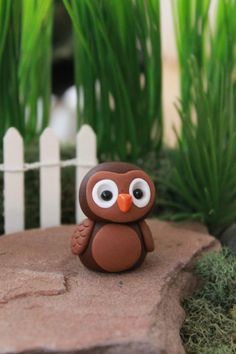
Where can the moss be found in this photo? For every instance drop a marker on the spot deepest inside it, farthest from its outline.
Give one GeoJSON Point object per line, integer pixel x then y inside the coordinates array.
{"type": "Point", "coordinates": [232, 312]}
{"type": "Point", "coordinates": [222, 349]}
{"type": "Point", "coordinates": [206, 327]}
{"type": "Point", "coordinates": [218, 270]}
{"type": "Point", "coordinates": [209, 327]}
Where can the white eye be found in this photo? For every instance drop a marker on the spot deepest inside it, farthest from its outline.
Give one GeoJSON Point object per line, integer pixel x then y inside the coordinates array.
{"type": "Point", "coordinates": [140, 192]}
{"type": "Point", "coordinates": [105, 193]}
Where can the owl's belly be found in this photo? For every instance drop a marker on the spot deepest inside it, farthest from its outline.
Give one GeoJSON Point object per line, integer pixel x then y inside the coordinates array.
{"type": "Point", "coordinates": [116, 248]}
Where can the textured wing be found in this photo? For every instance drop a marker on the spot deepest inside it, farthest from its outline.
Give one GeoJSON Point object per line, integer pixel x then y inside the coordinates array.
{"type": "Point", "coordinates": [81, 236]}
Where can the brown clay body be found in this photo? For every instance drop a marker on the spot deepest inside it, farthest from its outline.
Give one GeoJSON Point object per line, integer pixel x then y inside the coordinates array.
{"type": "Point", "coordinates": [116, 197]}
{"type": "Point", "coordinates": [114, 248]}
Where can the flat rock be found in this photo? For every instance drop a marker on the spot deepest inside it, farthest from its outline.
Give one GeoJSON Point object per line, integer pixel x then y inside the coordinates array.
{"type": "Point", "coordinates": [50, 303]}
{"type": "Point", "coordinates": [228, 238]}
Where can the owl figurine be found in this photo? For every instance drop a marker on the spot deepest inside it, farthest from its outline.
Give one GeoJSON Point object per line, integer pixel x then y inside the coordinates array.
{"type": "Point", "coordinates": [116, 197]}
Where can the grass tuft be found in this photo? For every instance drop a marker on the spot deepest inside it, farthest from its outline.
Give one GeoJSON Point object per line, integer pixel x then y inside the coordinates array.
{"type": "Point", "coordinates": [190, 22]}
{"type": "Point", "coordinates": [25, 65]}
{"type": "Point", "coordinates": [201, 184]}
{"type": "Point", "coordinates": [118, 74]}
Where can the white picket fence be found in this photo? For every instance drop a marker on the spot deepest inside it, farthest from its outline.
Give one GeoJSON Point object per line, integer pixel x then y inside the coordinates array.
{"type": "Point", "coordinates": [50, 165]}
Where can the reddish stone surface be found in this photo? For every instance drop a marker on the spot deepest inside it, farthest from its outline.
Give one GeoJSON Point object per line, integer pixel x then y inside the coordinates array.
{"type": "Point", "coordinates": [50, 303]}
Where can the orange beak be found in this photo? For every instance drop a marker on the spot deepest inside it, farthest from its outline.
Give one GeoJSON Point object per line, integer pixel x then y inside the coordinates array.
{"type": "Point", "coordinates": [124, 202]}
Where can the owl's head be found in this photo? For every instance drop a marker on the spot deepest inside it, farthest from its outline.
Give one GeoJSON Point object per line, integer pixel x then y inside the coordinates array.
{"type": "Point", "coordinates": [116, 192]}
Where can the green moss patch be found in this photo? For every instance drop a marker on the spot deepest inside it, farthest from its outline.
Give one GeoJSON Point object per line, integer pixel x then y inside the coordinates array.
{"type": "Point", "coordinates": [210, 325]}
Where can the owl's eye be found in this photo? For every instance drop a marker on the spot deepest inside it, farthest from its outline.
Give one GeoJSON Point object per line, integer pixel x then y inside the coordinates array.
{"type": "Point", "coordinates": [140, 191]}
{"type": "Point", "coordinates": [105, 193]}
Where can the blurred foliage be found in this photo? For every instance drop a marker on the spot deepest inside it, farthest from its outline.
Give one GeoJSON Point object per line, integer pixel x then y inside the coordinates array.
{"type": "Point", "coordinates": [202, 178]}
{"type": "Point", "coordinates": [118, 74]}
{"type": "Point", "coordinates": [25, 65]}
{"type": "Point", "coordinates": [201, 183]}
{"type": "Point", "coordinates": [209, 327]}
{"type": "Point", "coordinates": [190, 24]}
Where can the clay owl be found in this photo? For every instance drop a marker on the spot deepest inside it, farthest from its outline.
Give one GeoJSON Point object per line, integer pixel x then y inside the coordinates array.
{"type": "Point", "coordinates": [116, 197]}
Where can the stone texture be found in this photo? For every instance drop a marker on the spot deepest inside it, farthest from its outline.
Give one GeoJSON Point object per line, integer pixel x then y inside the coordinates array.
{"type": "Point", "coordinates": [50, 303]}
{"type": "Point", "coordinates": [16, 283]}
{"type": "Point", "coordinates": [228, 238]}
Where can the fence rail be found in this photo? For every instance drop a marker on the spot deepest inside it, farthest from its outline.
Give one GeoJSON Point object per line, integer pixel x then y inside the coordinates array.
{"type": "Point", "coordinates": [50, 165]}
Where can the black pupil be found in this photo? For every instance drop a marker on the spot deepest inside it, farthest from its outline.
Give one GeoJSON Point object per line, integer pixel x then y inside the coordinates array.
{"type": "Point", "coordinates": [138, 193]}
{"type": "Point", "coordinates": [106, 195]}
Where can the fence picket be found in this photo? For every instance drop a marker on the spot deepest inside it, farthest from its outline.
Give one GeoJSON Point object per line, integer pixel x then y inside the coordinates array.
{"type": "Point", "coordinates": [50, 168]}
{"type": "Point", "coordinates": [50, 198]}
{"type": "Point", "coordinates": [13, 181]}
{"type": "Point", "coordinates": [86, 158]}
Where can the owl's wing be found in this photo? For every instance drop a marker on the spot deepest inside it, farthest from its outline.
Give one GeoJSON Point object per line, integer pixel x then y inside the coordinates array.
{"type": "Point", "coordinates": [81, 236]}
{"type": "Point", "coordinates": [147, 236]}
